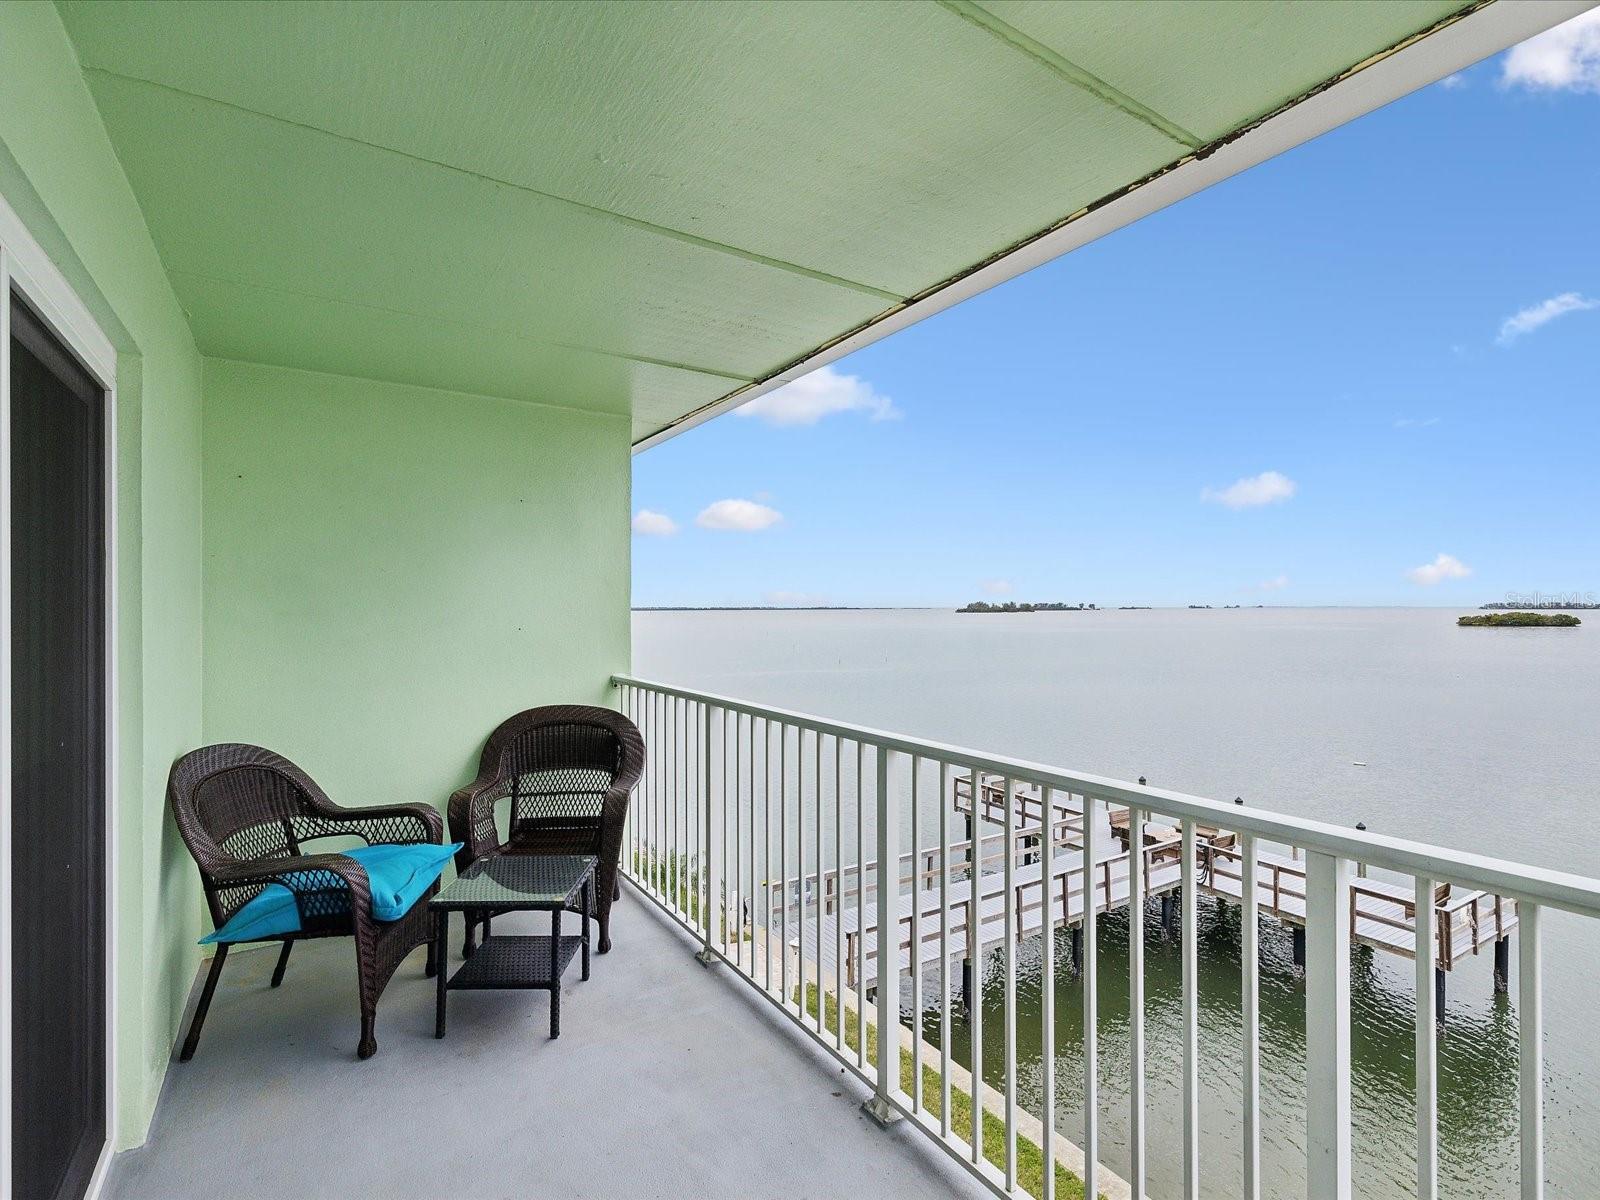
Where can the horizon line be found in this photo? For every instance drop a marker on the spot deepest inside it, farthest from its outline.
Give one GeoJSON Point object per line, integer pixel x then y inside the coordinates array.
{"type": "Point", "coordinates": [1098, 608]}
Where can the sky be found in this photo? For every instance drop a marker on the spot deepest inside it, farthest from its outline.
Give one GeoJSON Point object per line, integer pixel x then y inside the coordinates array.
{"type": "Point", "coordinates": [1365, 372]}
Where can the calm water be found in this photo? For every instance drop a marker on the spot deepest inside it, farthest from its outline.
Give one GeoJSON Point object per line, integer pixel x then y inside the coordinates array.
{"type": "Point", "coordinates": [1474, 738]}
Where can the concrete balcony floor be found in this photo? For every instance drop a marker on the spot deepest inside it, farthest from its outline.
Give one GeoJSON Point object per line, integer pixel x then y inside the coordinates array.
{"type": "Point", "coordinates": [668, 1080]}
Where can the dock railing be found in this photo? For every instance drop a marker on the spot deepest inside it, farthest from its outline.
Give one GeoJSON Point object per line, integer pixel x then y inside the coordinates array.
{"type": "Point", "coordinates": [740, 801]}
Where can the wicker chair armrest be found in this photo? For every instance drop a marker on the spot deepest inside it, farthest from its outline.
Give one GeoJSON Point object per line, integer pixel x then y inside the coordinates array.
{"type": "Point", "coordinates": [472, 818]}
{"type": "Point", "coordinates": [613, 816]}
{"type": "Point", "coordinates": [394, 823]}
{"type": "Point", "coordinates": [487, 781]}
{"type": "Point", "coordinates": [276, 870]}
{"type": "Point", "coordinates": [632, 768]}
{"type": "Point", "coordinates": [293, 874]}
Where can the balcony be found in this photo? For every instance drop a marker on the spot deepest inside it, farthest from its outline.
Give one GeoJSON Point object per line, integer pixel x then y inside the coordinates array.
{"type": "Point", "coordinates": [756, 844]}
{"type": "Point", "coordinates": [830, 868]}
{"type": "Point", "coordinates": [359, 312]}
{"type": "Point", "coordinates": [665, 1082]}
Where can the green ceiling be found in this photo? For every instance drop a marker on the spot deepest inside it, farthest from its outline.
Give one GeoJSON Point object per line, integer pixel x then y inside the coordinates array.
{"type": "Point", "coordinates": [640, 207]}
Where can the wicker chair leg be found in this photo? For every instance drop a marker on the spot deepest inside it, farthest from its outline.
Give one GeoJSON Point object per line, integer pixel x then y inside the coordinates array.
{"type": "Point", "coordinates": [431, 967]}
{"type": "Point", "coordinates": [607, 882]}
{"type": "Point", "coordinates": [369, 1042]}
{"type": "Point", "coordinates": [200, 1009]}
{"type": "Point", "coordinates": [616, 888]}
{"type": "Point", "coordinates": [468, 940]}
{"type": "Point", "coordinates": [283, 962]}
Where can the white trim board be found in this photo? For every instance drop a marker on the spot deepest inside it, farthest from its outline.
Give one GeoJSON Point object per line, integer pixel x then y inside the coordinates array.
{"type": "Point", "coordinates": [25, 266]}
{"type": "Point", "coordinates": [1476, 36]}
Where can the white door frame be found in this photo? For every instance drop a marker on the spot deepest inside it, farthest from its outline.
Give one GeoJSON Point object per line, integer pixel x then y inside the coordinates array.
{"type": "Point", "coordinates": [26, 267]}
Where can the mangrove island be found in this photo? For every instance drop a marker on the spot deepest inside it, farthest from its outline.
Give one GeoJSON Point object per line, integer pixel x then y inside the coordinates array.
{"type": "Point", "coordinates": [1496, 620]}
{"type": "Point", "coordinates": [1011, 606]}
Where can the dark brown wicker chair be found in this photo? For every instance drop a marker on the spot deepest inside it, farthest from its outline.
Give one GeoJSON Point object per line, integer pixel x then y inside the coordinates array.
{"type": "Point", "coordinates": [245, 813]}
{"type": "Point", "coordinates": [567, 771]}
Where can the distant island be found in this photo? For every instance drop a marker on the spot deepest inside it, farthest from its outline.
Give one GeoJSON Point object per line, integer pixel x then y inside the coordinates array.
{"type": "Point", "coordinates": [1497, 620]}
{"type": "Point", "coordinates": [671, 608]}
{"type": "Point", "coordinates": [1544, 604]}
{"type": "Point", "coordinates": [1011, 606]}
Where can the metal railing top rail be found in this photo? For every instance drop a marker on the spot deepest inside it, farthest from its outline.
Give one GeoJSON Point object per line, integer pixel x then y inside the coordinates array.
{"type": "Point", "coordinates": [1537, 885]}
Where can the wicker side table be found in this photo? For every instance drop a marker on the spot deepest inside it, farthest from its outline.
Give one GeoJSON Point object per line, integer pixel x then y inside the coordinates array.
{"type": "Point", "coordinates": [554, 883]}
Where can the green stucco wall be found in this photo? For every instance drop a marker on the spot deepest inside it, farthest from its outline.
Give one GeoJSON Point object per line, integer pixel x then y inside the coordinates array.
{"type": "Point", "coordinates": [380, 573]}
{"type": "Point", "coordinates": [391, 570]}
{"type": "Point", "coordinates": [58, 172]}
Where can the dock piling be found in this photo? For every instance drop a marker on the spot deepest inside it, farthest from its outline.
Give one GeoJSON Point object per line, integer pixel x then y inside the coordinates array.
{"type": "Point", "coordinates": [1502, 966]}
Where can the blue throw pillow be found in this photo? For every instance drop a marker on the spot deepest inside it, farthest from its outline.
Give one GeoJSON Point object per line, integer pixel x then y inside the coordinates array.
{"type": "Point", "coordinates": [397, 874]}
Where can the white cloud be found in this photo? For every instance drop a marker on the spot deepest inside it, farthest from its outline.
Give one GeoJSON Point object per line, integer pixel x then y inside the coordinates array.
{"type": "Point", "coordinates": [806, 400]}
{"type": "Point", "coordinates": [1276, 584]}
{"type": "Point", "coordinates": [1543, 313]}
{"type": "Point", "coordinates": [1445, 566]}
{"type": "Point", "coordinates": [1566, 58]}
{"type": "Point", "coordinates": [1269, 487]}
{"type": "Point", "coordinates": [654, 524]}
{"type": "Point", "coordinates": [1458, 80]}
{"type": "Point", "coordinates": [742, 516]}
{"type": "Point", "coordinates": [1415, 422]}
{"type": "Point", "coordinates": [995, 587]}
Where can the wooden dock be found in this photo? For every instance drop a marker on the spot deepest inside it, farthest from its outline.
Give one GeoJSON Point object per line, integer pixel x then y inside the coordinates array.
{"type": "Point", "coordinates": [1382, 914]}
{"type": "Point", "coordinates": [1065, 906]}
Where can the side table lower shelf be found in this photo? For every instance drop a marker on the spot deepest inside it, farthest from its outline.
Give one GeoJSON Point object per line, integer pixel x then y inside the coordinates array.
{"type": "Point", "coordinates": [515, 961]}
{"type": "Point", "coordinates": [502, 884]}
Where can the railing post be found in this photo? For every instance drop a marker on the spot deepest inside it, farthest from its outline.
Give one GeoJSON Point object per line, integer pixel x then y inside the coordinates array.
{"type": "Point", "coordinates": [1090, 977]}
{"type": "Point", "coordinates": [973, 972]}
{"type": "Point", "coordinates": [915, 962]}
{"type": "Point", "coordinates": [1327, 1027]}
{"type": "Point", "coordinates": [1047, 999]}
{"type": "Point", "coordinates": [877, 1105]}
{"type": "Point", "coordinates": [1530, 1069]}
{"type": "Point", "coordinates": [707, 955]}
{"type": "Point", "coordinates": [1189, 951]}
{"type": "Point", "coordinates": [1250, 1003]}
{"type": "Point", "coordinates": [1427, 1044]}
{"type": "Point", "coordinates": [1137, 894]}
{"type": "Point", "coordinates": [1012, 919]}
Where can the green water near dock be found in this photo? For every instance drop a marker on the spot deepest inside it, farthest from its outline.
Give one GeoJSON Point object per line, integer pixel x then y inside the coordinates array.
{"type": "Point", "coordinates": [1477, 1060]}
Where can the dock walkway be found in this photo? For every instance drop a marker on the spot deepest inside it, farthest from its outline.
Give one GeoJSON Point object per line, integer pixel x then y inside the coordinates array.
{"type": "Point", "coordinates": [1382, 914]}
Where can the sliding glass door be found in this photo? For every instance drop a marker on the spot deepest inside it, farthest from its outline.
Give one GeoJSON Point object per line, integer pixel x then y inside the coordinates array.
{"type": "Point", "coordinates": [57, 709]}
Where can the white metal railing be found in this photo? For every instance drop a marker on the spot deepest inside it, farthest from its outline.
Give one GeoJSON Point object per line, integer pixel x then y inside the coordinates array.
{"type": "Point", "coordinates": [746, 812]}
